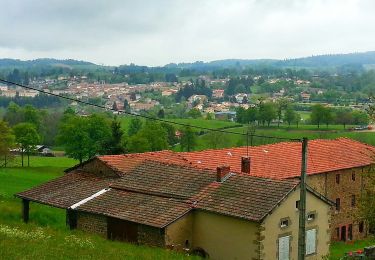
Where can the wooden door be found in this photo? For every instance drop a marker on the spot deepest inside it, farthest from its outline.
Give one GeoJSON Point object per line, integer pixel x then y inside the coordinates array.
{"type": "Point", "coordinates": [122, 230]}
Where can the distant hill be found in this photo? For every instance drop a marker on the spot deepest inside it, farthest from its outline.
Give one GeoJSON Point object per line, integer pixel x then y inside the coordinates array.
{"type": "Point", "coordinates": [320, 61]}
{"type": "Point", "coordinates": [330, 60]}
{"type": "Point", "coordinates": [41, 62]}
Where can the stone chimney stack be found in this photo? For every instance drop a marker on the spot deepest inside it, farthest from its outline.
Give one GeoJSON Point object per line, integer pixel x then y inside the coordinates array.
{"type": "Point", "coordinates": [245, 164]}
{"type": "Point", "coordinates": [222, 171]}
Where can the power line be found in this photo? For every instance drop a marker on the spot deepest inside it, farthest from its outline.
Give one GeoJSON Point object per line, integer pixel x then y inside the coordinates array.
{"type": "Point", "coordinates": [144, 116]}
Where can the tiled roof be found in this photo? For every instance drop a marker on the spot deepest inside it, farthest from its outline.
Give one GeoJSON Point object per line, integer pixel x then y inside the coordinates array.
{"type": "Point", "coordinates": [245, 196]}
{"type": "Point", "coordinates": [143, 195]}
{"type": "Point", "coordinates": [137, 207]}
{"type": "Point", "coordinates": [283, 160]}
{"type": "Point", "coordinates": [165, 179]}
{"type": "Point", "coordinates": [67, 190]}
{"type": "Point", "coordinates": [124, 163]}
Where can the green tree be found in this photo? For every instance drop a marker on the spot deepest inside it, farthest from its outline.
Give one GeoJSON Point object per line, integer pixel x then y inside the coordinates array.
{"type": "Point", "coordinates": [252, 114]}
{"type": "Point", "coordinates": [27, 138]}
{"type": "Point", "coordinates": [138, 144]}
{"type": "Point", "coordinates": [73, 135]}
{"type": "Point", "coordinates": [366, 203]}
{"type": "Point", "coordinates": [13, 114]}
{"type": "Point", "coordinates": [135, 126]}
{"type": "Point", "coordinates": [290, 115]}
{"type": "Point", "coordinates": [344, 117]}
{"type": "Point", "coordinates": [267, 113]}
{"type": "Point", "coordinates": [216, 139]}
{"type": "Point", "coordinates": [99, 131]}
{"type": "Point", "coordinates": [195, 113]}
{"type": "Point", "coordinates": [171, 133]}
{"type": "Point", "coordinates": [317, 114]}
{"type": "Point", "coordinates": [328, 116]}
{"type": "Point", "coordinates": [281, 105]}
{"type": "Point", "coordinates": [114, 144]}
{"type": "Point", "coordinates": [6, 141]}
{"type": "Point", "coordinates": [126, 106]}
{"type": "Point", "coordinates": [188, 139]}
{"type": "Point", "coordinates": [156, 136]}
{"type": "Point", "coordinates": [360, 118]}
{"type": "Point", "coordinates": [297, 119]}
{"type": "Point", "coordinates": [32, 115]}
{"type": "Point", "coordinates": [161, 113]}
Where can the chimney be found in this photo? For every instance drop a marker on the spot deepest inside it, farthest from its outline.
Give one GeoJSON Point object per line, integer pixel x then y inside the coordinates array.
{"type": "Point", "coordinates": [245, 164]}
{"type": "Point", "coordinates": [222, 171]}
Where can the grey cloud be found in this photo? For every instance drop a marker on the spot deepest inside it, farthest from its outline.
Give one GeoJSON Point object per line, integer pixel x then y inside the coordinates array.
{"type": "Point", "coordinates": [162, 31]}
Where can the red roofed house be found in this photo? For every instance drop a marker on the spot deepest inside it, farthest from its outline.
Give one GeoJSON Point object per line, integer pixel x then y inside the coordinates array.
{"type": "Point", "coordinates": [159, 199]}
{"type": "Point", "coordinates": [336, 168]}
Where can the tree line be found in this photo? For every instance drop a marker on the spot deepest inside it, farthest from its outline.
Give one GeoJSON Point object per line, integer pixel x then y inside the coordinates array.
{"type": "Point", "coordinates": [283, 111]}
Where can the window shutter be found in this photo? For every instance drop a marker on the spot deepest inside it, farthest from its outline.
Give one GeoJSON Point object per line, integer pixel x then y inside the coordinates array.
{"type": "Point", "coordinates": [284, 248]}
{"type": "Point", "coordinates": [310, 241]}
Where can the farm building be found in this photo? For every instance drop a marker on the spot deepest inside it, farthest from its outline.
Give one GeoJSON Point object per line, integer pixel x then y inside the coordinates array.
{"type": "Point", "coordinates": [185, 186]}
{"type": "Point", "coordinates": [161, 201]}
{"type": "Point", "coordinates": [338, 169]}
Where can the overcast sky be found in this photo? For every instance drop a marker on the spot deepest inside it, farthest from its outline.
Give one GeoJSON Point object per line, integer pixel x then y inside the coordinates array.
{"type": "Point", "coordinates": [157, 32]}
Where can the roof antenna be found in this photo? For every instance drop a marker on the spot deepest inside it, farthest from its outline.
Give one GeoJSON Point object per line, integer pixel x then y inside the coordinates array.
{"type": "Point", "coordinates": [247, 143]}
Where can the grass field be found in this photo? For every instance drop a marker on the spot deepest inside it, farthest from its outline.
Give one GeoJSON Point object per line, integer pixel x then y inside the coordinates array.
{"type": "Point", "coordinates": [215, 124]}
{"type": "Point", "coordinates": [46, 236]}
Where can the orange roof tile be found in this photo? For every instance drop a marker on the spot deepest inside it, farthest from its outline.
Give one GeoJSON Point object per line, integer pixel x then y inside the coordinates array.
{"type": "Point", "coordinates": [283, 160]}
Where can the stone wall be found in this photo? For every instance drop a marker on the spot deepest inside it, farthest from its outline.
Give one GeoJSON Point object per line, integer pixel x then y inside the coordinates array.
{"type": "Point", "coordinates": [98, 168]}
{"type": "Point", "coordinates": [347, 186]}
{"type": "Point", "coordinates": [92, 223]}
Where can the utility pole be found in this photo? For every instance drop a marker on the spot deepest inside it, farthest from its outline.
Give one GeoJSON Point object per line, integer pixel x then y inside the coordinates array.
{"type": "Point", "coordinates": [302, 204]}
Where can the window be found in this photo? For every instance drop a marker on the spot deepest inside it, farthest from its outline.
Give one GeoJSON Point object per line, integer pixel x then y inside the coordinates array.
{"type": "Point", "coordinates": [297, 205]}
{"type": "Point", "coordinates": [353, 176]}
{"type": "Point", "coordinates": [311, 216]}
{"type": "Point", "coordinates": [284, 248]}
{"type": "Point", "coordinates": [353, 201]}
{"type": "Point", "coordinates": [337, 178]}
{"type": "Point", "coordinates": [310, 241]}
{"type": "Point", "coordinates": [338, 233]}
{"type": "Point", "coordinates": [284, 223]}
{"type": "Point", "coordinates": [360, 227]}
{"type": "Point", "coordinates": [338, 204]}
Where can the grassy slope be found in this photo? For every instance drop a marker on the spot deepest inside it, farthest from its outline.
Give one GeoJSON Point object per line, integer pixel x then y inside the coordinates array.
{"type": "Point", "coordinates": [46, 236]}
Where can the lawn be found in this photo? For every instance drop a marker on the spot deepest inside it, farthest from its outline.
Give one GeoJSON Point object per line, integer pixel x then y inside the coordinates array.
{"type": "Point", "coordinates": [46, 236]}
{"type": "Point", "coordinates": [309, 131]}
{"type": "Point", "coordinates": [338, 249]}
{"type": "Point", "coordinates": [215, 124]}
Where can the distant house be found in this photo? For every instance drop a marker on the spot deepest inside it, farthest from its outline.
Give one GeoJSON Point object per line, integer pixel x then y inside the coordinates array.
{"type": "Point", "coordinates": [305, 96]}
{"type": "Point", "coordinates": [240, 97]}
{"type": "Point", "coordinates": [218, 93]}
{"type": "Point", "coordinates": [43, 150]}
{"type": "Point", "coordinates": [157, 199]}
{"type": "Point", "coordinates": [197, 99]}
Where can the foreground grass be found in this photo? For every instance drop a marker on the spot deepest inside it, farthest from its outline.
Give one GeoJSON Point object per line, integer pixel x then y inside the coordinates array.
{"type": "Point", "coordinates": [338, 249]}
{"type": "Point", "coordinates": [30, 241]}
{"type": "Point", "coordinates": [46, 235]}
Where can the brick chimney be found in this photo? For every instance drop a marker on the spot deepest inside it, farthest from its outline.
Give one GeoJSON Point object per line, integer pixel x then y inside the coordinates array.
{"type": "Point", "coordinates": [221, 172]}
{"type": "Point", "coordinates": [245, 164]}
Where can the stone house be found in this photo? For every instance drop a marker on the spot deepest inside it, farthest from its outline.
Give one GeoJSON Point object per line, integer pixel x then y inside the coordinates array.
{"type": "Point", "coordinates": [159, 199]}
{"type": "Point", "coordinates": [336, 168]}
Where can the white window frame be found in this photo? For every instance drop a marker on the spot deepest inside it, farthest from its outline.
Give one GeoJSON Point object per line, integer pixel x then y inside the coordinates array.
{"type": "Point", "coordinates": [284, 244]}
{"type": "Point", "coordinates": [311, 239]}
